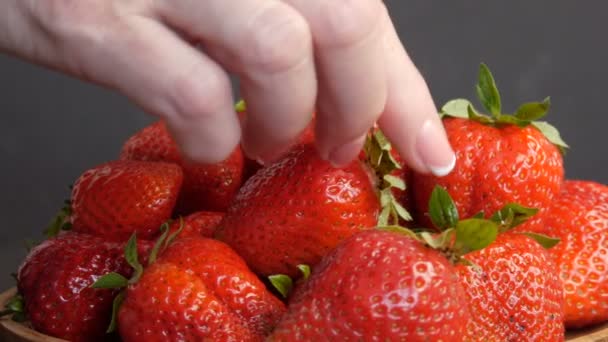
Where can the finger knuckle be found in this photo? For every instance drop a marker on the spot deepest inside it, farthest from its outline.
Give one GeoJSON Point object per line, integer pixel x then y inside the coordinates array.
{"type": "Point", "coordinates": [277, 38]}
{"type": "Point", "coordinates": [346, 22]}
{"type": "Point", "coordinates": [198, 94]}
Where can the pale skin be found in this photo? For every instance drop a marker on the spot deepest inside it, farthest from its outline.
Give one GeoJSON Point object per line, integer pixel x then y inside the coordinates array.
{"type": "Point", "coordinates": [341, 59]}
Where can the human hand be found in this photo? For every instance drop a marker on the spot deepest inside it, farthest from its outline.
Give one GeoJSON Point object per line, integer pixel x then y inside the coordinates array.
{"type": "Point", "coordinates": [340, 59]}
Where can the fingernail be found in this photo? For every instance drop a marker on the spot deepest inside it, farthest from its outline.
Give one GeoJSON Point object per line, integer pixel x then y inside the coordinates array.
{"type": "Point", "coordinates": [344, 154]}
{"type": "Point", "coordinates": [434, 149]}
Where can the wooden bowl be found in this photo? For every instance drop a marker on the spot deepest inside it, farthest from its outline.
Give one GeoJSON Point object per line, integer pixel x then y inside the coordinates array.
{"type": "Point", "coordinates": [11, 331]}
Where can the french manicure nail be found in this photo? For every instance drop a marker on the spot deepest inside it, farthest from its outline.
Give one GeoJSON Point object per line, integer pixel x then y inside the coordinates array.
{"type": "Point", "coordinates": [434, 149]}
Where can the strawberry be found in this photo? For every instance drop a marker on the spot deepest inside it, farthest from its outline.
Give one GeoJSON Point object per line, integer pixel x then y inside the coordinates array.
{"type": "Point", "coordinates": [54, 281]}
{"type": "Point", "coordinates": [579, 218]}
{"type": "Point", "coordinates": [511, 284]}
{"type": "Point", "coordinates": [513, 291]}
{"type": "Point", "coordinates": [197, 289]}
{"type": "Point", "coordinates": [499, 159]}
{"type": "Point", "coordinates": [300, 200]}
{"type": "Point", "coordinates": [120, 197]}
{"type": "Point", "coordinates": [206, 186]}
{"type": "Point", "coordinates": [377, 286]}
{"type": "Point", "coordinates": [200, 223]}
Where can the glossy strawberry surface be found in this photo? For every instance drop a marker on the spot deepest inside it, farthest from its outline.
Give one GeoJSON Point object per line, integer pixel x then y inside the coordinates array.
{"type": "Point", "coordinates": [296, 210]}
{"type": "Point", "coordinates": [377, 286]}
{"type": "Point", "coordinates": [55, 280]}
{"type": "Point", "coordinates": [120, 197]}
{"type": "Point", "coordinates": [579, 218]}
{"type": "Point", "coordinates": [495, 166]}
{"type": "Point", "coordinates": [198, 289]}
{"type": "Point", "coordinates": [513, 292]}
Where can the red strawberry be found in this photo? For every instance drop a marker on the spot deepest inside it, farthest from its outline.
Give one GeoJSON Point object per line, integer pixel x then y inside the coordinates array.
{"type": "Point", "coordinates": [500, 159]}
{"type": "Point", "coordinates": [579, 218]}
{"type": "Point", "coordinates": [206, 186]}
{"type": "Point", "coordinates": [118, 198]}
{"type": "Point", "coordinates": [513, 291]}
{"type": "Point", "coordinates": [55, 281]}
{"type": "Point", "coordinates": [377, 286]}
{"type": "Point", "coordinates": [296, 210]}
{"type": "Point", "coordinates": [199, 224]}
{"type": "Point", "coordinates": [198, 289]}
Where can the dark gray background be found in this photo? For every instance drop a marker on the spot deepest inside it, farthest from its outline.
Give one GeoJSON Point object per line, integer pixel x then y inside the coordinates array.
{"type": "Point", "coordinates": [54, 127]}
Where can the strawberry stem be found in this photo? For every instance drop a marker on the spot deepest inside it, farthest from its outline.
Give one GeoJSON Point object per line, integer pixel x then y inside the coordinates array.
{"type": "Point", "coordinates": [489, 97]}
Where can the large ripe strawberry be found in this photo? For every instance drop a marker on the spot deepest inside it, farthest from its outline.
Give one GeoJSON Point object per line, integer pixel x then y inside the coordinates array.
{"type": "Point", "coordinates": [120, 197]}
{"type": "Point", "coordinates": [297, 209]}
{"type": "Point", "coordinates": [579, 218]}
{"type": "Point", "coordinates": [514, 292]}
{"type": "Point", "coordinates": [206, 186]}
{"type": "Point", "coordinates": [500, 158]}
{"type": "Point", "coordinates": [377, 286]}
{"type": "Point", "coordinates": [511, 284]}
{"type": "Point", "coordinates": [198, 289]}
{"type": "Point", "coordinates": [55, 282]}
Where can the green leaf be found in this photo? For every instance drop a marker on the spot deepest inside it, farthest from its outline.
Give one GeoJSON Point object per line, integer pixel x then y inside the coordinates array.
{"type": "Point", "coordinates": [474, 234]}
{"type": "Point", "coordinates": [132, 258]}
{"type": "Point", "coordinates": [551, 133]}
{"type": "Point", "coordinates": [457, 108]}
{"type": "Point", "coordinates": [384, 216]}
{"type": "Point", "coordinates": [15, 307]}
{"type": "Point", "coordinates": [59, 222]}
{"type": "Point", "coordinates": [442, 209]}
{"type": "Point", "coordinates": [544, 240]}
{"type": "Point", "coordinates": [158, 245]}
{"type": "Point", "coordinates": [437, 241]}
{"type": "Point", "coordinates": [19, 317]}
{"type": "Point", "coordinates": [395, 182]}
{"type": "Point", "coordinates": [382, 140]}
{"type": "Point", "coordinates": [305, 269]}
{"type": "Point", "coordinates": [512, 215]}
{"type": "Point", "coordinates": [399, 230]}
{"type": "Point", "coordinates": [240, 106]}
{"type": "Point", "coordinates": [16, 304]}
{"type": "Point", "coordinates": [386, 197]}
{"type": "Point", "coordinates": [120, 297]}
{"type": "Point", "coordinates": [479, 215]}
{"type": "Point", "coordinates": [402, 212]}
{"type": "Point", "coordinates": [487, 92]}
{"type": "Point", "coordinates": [111, 280]}
{"type": "Point", "coordinates": [533, 110]}
{"type": "Point", "coordinates": [282, 283]}
{"type": "Point", "coordinates": [511, 120]}
{"type": "Point", "coordinates": [482, 119]}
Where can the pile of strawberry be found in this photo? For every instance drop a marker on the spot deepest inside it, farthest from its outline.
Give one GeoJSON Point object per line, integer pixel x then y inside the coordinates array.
{"type": "Point", "coordinates": [152, 247]}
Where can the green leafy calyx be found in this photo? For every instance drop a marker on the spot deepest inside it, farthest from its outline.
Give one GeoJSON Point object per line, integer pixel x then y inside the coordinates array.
{"type": "Point", "coordinates": [16, 308]}
{"type": "Point", "coordinates": [489, 97]}
{"type": "Point", "coordinates": [442, 209]}
{"type": "Point", "coordinates": [544, 240]}
{"type": "Point", "coordinates": [512, 215]}
{"type": "Point", "coordinates": [114, 280]}
{"type": "Point", "coordinates": [284, 284]}
{"type": "Point", "coordinates": [378, 153]}
{"type": "Point", "coordinates": [60, 222]}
